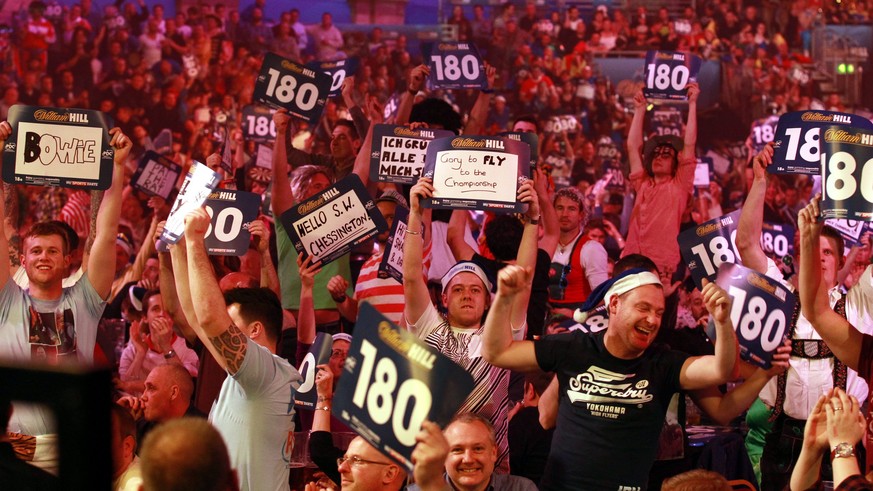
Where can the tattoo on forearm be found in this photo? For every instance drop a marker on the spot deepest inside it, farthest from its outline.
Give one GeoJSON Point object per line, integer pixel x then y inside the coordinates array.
{"type": "Point", "coordinates": [231, 345]}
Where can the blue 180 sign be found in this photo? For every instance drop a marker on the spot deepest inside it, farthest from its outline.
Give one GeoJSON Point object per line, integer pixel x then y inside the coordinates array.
{"type": "Point", "coordinates": [668, 73]}
{"type": "Point", "coordinates": [283, 83]}
{"type": "Point", "coordinates": [760, 311]}
{"type": "Point", "coordinates": [455, 66]}
{"type": "Point", "coordinates": [847, 173]}
{"type": "Point", "coordinates": [705, 247]}
{"type": "Point", "coordinates": [798, 135]}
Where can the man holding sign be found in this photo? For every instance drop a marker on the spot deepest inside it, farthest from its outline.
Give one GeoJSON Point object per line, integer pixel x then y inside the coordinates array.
{"type": "Point", "coordinates": [662, 175]}
{"type": "Point", "coordinates": [467, 294]}
{"type": "Point", "coordinates": [48, 323]}
{"type": "Point", "coordinates": [787, 400]}
{"type": "Point", "coordinates": [255, 408]}
{"type": "Point", "coordinates": [614, 386]}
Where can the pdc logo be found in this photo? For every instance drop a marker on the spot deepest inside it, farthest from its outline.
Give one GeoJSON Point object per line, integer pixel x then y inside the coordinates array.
{"type": "Point", "coordinates": [49, 149]}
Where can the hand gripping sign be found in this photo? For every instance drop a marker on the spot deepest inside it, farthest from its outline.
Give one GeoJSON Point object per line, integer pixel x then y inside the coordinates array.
{"type": "Point", "coordinates": [399, 152]}
{"type": "Point", "coordinates": [318, 354]}
{"type": "Point", "coordinates": [337, 71]}
{"type": "Point", "coordinates": [760, 312]}
{"type": "Point", "coordinates": [455, 66]}
{"type": "Point", "coordinates": [477, 172]}
{"type": "Point", "coordinates": [796, 144]}
{"type": "Point", "coordinates": [392, 258]}
{"type": "Point", "coordinates": [705, 247]}
{"type": "Point", "coordinates": [331, 223]}
{"type": "Point", "coordinates": [392, 382]}
{"type": "Point", "coordinates": [156, 175]}
{"type": "Point", "coordinates": [58, 147]}
{"type": "Point", "coordinates": [231, 211]}
{"type": "Point", "coordinates": [847, 173]}
{"type": "Point", "coordinates": [668, 73]}
{"type": "Point", "coordinates": [283, 83]}
{"type": "Point", "coordinates": [196, 188]}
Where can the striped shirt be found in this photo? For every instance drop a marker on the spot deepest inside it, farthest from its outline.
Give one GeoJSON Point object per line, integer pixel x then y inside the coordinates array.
{"type": "Point", "coordinates": [385, 294]}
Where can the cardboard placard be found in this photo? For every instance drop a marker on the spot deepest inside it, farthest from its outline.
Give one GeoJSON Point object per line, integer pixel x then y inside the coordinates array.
{"type": "Point", "coordinates": [198, 185]}
{"type": "Point", "coordinates": [257, 124]}
{"type": "Point", "coordinates": [58, 147]}
{"type": "Point", "coordinates": [760, 313]}
{"type": "Point", "coordinates": [798, 135]}
{"type": "Point", "coordinates": [454, 66]}
{"type": "Point", "coordinates": [337, 71]}
{"type": "Point", "coordinates": [399, 153]}
{"type": "Point", "coordinates": [763, 132]}
{"type": "Point", "coordinates": [847, 173]}
{"type": "Point", "coordinates": [331, 223]}
{"type": "Point", "coordinates": [283, 83]}
{"type": "Point", "coordinates": [702, 171]}
{"type": "Point", "coordinates": [392, 257]}
{"type": "Point", "coordinates": [668, 74]}
{"type": "Point", "coordinates": [392, 381]}
{"type": "Point", "coordinates": [477, 172]}
{"type": "Point", "coordinates": [777, 239]}
{"type": "Point", "coordinates": [156, 175]}
{"type": "Point", "coordinates": [231, 211]}
{"type": "Point", "coordinates": [705, 247]}
{"type": "Point", "coordinates": [318, 354]}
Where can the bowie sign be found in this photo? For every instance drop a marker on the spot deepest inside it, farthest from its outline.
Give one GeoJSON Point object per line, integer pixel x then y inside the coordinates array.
{"type": "Point", "coordinates": [58, 147]}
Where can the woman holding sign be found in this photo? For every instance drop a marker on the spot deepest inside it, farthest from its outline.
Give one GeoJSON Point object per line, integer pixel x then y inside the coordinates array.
{"type": "Point", "coordinates": [662, 175]}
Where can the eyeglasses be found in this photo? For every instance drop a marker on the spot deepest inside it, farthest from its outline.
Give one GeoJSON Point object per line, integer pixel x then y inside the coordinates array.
{"type": "Point", "coordinates": [665, 151]}
{"type": "Point", "coordinates": [339, 354]}
{"type": "Point", "coordinates": [355, 461]}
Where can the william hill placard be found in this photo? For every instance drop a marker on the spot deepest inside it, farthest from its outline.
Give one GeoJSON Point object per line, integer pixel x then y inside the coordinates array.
{"type": "Point", "coordinates": [399, 152]}
{"type": "Point", "coordinates": [329, 224]}
{"type": "Point", "coordinates": [477, 172]}
{"type": "Point", "coordinates": [58, 147]}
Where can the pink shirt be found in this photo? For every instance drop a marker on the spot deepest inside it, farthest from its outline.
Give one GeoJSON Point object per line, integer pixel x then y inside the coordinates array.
{"type": "Point", "coordinates": [657, 213]}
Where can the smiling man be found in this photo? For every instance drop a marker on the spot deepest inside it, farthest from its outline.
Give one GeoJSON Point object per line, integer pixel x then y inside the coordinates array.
{"type": "Point", "coordinates": [614, 386]}
{"type": "Point", "coordinates": [472, 454]}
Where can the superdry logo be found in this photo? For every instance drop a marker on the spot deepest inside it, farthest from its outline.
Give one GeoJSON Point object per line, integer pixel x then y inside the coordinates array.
{"type": "Point", "coordinates": [603, 386]}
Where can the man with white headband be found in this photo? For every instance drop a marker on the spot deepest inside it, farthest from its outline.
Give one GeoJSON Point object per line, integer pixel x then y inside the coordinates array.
{"type": "Point", "coordinates": [614, 387]}
{"type": "Point", "coordinates": [467, 292]}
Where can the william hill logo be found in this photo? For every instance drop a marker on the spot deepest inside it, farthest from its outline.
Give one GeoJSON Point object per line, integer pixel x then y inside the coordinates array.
{"type": "Point", "coordinates": [758, 281]}
{"type": "Point", "coordinates": [46, 115]}
{"type": "Point", "coordinates": [467, 143]}
{"type": "Point", "coordinates": [708, 229]}
{"type": "Point", "coordinates": [405, 132]}
{"type": "Point", "coordinates": [819, 117]}
{"type": "Point", "coordinates": [842, 136]}
{"type": "Point", "coordinates": [310, 205]}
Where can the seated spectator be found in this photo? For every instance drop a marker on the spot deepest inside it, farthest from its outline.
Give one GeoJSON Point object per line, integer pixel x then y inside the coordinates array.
{"type": "Point", "coordinates": [187, 454]}
{"type": "Point", "coordinates": [529, 442]}
{"type": "Point", "coordinates": [126, 472]}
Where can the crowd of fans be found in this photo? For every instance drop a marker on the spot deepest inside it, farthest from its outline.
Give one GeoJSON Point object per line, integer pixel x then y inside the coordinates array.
{"type": "Point", "coordinates": [192, 74]}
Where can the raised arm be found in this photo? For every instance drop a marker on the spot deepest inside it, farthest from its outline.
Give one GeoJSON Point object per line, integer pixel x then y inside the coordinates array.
{"type": "Point", "coordinates": [752, 215]}
{"type": "Point", "coordinates": [306, 313]}
{"type": "Point", "coordinates": [283, 199]}
{"type": "Point", "coordinates": [415, 291]}
{"type": "Point", "coordinates": [362, 160]}
{"type": "Point", "coordinates": [498, 347]}
{"type": "Point", "coordinates": [215, 327]}
{"type": "Point", "coordinates": [479, 112]}
{"type": "Point", "coordinates": [635, 134]}
{"type": "Point", "coordinates": [5, 132]}
{"type": "Point", "coordinates": [527, 250]}
{"type": "Point", "coordinates": [723, 408]}
{"type": "Point", "coordinates": [551, 230]}
{"type": "Point", "coordinates": [261, 235]}
{"type": "Point", "coordinates": [705, 371]}
{"type": "Point", "coordinates": [101, 262]}
{"type": "Point", "coordinates": [841, 337]}
{"type": "Point", "coordinates": [417, 76]}
{"type": "Point", "coordinates": [455, 236]}
{"type": "Point", "coordinates": [815, 443]}
{"type": "Point", "coordinates": [689, 149]}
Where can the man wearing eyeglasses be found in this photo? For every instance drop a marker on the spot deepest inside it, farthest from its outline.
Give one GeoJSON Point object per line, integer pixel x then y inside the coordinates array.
{"type": "Point", "coordinates": [662, 175]}
{"type": "Point", "coordinates": [364, 468]}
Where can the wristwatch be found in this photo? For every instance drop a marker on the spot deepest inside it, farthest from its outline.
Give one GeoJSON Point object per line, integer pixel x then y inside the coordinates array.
{"type": "Point", "coordinates": [169, 354]}
{"type": "Point", "coordinates": [843, 450]}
